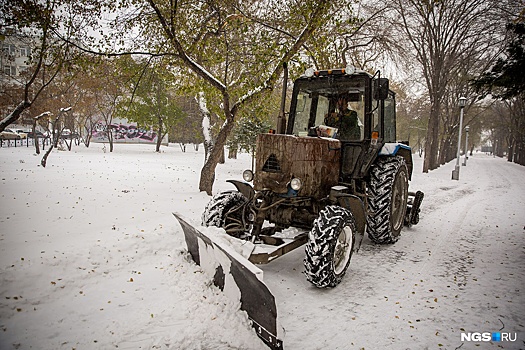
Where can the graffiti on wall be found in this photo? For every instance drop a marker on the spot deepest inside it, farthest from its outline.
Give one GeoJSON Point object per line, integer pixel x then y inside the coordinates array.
{"type": "Point", "coordinates": [123, 133]}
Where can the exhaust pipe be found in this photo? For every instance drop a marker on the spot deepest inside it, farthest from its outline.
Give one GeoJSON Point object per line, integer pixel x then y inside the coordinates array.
{"type": "Point", "coordinates": [281, 119]}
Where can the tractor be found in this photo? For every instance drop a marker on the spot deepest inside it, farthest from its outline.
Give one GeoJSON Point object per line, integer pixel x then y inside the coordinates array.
{"type": "Point", "coordinates": [331, 184]}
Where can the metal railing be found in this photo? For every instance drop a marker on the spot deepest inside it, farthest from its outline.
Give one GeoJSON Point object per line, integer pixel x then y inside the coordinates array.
{"type": "Point", "coordinates": [27, 142]}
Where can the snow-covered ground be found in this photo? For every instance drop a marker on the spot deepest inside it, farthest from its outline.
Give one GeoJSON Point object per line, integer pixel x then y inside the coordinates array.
{"type": "Point", "coordinates": [92, 258]}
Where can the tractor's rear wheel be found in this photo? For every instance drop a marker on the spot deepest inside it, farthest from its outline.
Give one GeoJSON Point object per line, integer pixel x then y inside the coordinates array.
{"type": "Point", "coordinates": [226, 210]}
{"type": "Point", "coordinates": [329, 247]}
{"type": "Point", "coordinates": [387, 195]}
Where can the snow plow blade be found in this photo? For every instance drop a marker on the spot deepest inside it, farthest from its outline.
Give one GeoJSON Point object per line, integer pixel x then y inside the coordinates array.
{"type": "Point", "coordinates": [238, 278]}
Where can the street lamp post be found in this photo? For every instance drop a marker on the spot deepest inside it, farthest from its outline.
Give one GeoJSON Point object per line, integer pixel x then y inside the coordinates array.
{"type": "Point", "coordinates": [462, 103]}
{"type": "Point", "coordinates": [466, 145]}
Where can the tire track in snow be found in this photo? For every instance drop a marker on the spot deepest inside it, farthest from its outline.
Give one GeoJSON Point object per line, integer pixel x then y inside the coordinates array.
{"type": "Point", "coordinates": [468, 248]}
{"type": "Point", "coordinates": [460, 202]}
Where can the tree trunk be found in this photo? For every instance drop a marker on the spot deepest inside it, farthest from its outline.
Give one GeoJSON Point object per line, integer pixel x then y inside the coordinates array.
{"type": "Point", "coordinates": [512, 147]}
{"type": "Point", "coordinates": [208, 146]}
{"type": "Point", "coordinates": [44, 159]}
{"type": "Point", "coordinates": [431, 146]}
{"type": "Point", "coordinates": [35, 138]}
{"type": "Point", "coordinates": [215, 154]}
{"type": "Point", "coordinates": [206, 126]}
{"type": "Point", "coordinates": [159, 135]}
{"type": "Point", "coordinates": [110, 138]}
{"type": "Point", "coordinates": [89, 127]}
{"type": "Point", "coordinates": [520, 154]}
{"type": "Point", "coordinates": [87, 140]}
{"type": "Point", "coordinates": [443, 150]}
{"type": "Point", "coordinates": [232, 152]}
{"type": "Point", "coordinates": [55, 137]}
{"type": "Point", "coordinates": [222, 158]}
{"type": "Point", "coordinates": [70, 144]}
{"type": "Point", "coordinates": [448, 152]}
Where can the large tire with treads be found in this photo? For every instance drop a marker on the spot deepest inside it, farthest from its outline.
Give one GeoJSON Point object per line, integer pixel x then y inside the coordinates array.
{"type": "Point", "coordinates": [329, 248]}
{"type": "Point", "coordinates": [387, 194]}
{"type": "Point", "coordinates": [215, 213]}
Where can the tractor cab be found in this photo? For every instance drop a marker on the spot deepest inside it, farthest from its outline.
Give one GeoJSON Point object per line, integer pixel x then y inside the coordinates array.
{"type": "Point", "coordinates": [352, 106]}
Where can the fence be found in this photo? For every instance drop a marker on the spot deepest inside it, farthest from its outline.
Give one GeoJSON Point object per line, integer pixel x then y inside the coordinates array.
{"type": "Point", "coordinates": [27, 142]}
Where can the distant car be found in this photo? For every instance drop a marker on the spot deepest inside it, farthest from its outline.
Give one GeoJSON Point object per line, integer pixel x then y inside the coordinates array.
{"type": "Point", "coordinates": [38, 134]}
{"type": "Point", "coordinates": [69, 135]}
{"type": "Point", "coordinates": [22, 133]}
{"type": "Point", "coordinates": [11, 134]}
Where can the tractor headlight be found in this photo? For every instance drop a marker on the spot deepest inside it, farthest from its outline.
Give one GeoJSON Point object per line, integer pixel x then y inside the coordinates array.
{"type": "Point", "coordinates": [296, 184]}
{"type": "Point", "coordinates": [247, 175]}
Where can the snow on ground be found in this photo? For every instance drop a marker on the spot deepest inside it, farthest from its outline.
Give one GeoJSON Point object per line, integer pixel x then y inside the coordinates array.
{"type": "Point", "coordinates": [91, 258]}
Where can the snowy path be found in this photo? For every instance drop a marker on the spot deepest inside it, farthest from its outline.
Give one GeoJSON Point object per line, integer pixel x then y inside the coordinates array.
{"type": "Point", "coordinates": [92, 258]}
{"type": "Point", "coordinates": [462, 269]}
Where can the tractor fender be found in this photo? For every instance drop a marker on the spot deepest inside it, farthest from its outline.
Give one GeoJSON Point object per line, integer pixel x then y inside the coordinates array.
{"type": "Point", "coordinates": [400, 149]}
{"type": "Point", "coordinates": [356, 206]}
{"type": "Point", "coordinates": [245, 188]}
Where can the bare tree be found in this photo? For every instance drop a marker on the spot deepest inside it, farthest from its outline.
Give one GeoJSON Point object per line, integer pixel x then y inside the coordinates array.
{"type": "Point", "coordinates": [187, 129]}
{"type": "Point", "coordinates": [105, 86]}
{"type": "Point", "coordinates": [441, 34]}
{"type": "Point", "coordinates": [35, 136]}
{"type": "Point", "coordinates": [56, 135]}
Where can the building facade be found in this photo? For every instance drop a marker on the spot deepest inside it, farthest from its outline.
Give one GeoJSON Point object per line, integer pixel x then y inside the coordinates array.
{"type": "Point", "coordinates": [15, 55]}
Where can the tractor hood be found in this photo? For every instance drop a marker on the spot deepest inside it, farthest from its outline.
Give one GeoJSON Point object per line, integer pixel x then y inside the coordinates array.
{"type": "Point", "coordinates": [313, 160]}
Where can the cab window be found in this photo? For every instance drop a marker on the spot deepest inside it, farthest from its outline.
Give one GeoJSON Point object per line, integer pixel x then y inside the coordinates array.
{"type": "Point", "coordinates": [390, 118]}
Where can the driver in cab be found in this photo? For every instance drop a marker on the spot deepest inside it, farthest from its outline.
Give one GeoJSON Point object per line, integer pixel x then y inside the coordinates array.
{"type": "Point", "coordinates": [345, 120]}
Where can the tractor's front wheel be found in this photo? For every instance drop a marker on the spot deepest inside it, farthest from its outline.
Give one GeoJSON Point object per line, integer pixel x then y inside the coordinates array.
{"type": "Point", "coordinates": [387, 194]}
{"type": "Point", "coordinates": [226, 210]}
{"type": "Point", "coordinates": [329, 247]}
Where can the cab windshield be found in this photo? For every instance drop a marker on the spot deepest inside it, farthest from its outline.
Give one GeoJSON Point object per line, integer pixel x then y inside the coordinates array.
{"type": "Point", "coordinates": [340, 106]}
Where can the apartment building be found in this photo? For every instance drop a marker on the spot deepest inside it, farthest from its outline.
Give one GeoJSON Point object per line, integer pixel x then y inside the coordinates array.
{"type": "Point", "coordinates": [15, 55]}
